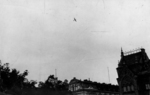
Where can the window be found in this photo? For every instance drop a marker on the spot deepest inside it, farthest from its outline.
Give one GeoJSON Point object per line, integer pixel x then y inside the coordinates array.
{"type": "Point", "coordinates": [147, 86]}
{"type": "Point", "coordinates": [132, 88]}
{"type": "Point", "coordinates": [128, 88]}
{"type": "Point", "coordinates": [124, 89]}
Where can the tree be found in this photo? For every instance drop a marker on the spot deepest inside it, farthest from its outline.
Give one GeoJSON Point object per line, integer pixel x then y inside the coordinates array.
{"type": "Point", "coordinates": [11, 77]}
{"type": "Point", "coordinates": [59, 85]}
{"type": "Point", "coordinates": [33, 83]}
{"type": "Point", "coordinates": [21, 78]}
{"type": "Point", "coordinates": [51, 82]}
{"type": "Point", "coordinates": [5, 76]}
{"type": "Point", "coordinates": [65, 84]}
{"type": "Point", "coordinates": [41, 84]}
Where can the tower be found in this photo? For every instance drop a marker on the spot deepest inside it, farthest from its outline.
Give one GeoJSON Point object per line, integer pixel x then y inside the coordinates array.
{"type": "Point", "coordinates": [134, 73]}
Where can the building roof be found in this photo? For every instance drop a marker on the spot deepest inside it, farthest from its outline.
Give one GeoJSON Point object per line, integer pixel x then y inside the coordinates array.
{"type": "Point", "coordinates": [95, 85]}
{"type": "Point", "coordinates": [137, 61]}
{"type": "Point", "coordinates": [133, 57]}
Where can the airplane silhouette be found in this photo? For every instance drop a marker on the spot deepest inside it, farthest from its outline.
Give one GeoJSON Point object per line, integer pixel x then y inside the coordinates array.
{"type": "Point", "coordinates": [75, 20]}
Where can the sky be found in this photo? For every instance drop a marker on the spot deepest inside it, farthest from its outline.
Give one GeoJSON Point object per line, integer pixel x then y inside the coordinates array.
{"type": "Point", "coordinates": [41, 36]}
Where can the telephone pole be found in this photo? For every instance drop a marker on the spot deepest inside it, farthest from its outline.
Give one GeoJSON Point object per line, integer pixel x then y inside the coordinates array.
{"type": "Point", "coordinates": [108, 74]}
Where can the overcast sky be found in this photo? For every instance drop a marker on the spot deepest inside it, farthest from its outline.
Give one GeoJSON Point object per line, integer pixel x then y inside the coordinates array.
{"type": "Point", "coordinates": [41, 36]}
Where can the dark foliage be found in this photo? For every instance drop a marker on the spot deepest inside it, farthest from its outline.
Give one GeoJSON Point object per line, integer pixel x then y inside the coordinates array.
{"type": "Point", "coordinates": [15, 83]}
{"type": "Point", "coordinates": [11, 77]}
{"type": "Point", "coordinates": [53, 84]}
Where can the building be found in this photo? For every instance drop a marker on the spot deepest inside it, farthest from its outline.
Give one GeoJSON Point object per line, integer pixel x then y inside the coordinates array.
{"type": "Point", "coordinates": [134, 73]}
{"type": "Point", "coordinates": [87, 87]}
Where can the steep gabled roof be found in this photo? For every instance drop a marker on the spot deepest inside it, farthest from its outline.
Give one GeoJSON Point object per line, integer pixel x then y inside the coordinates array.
{"type": "Point", "coordinates": [133, 57]}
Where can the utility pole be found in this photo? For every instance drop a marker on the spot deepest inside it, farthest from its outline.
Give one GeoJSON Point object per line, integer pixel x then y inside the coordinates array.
{"type": "Point", "coordinates": [55, 72]}
{"type": "Point", "coordinates": [108, 74]}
